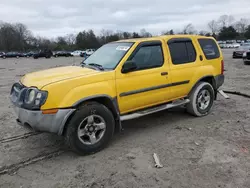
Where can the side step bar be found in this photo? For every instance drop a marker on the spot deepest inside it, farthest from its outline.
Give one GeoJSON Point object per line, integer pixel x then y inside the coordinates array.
{"type": "Point", "coordinates": [153, 110]}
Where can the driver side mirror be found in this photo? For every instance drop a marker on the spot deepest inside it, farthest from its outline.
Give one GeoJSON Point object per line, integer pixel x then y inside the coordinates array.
{"type": "Point", "coordinates": [129, 66]}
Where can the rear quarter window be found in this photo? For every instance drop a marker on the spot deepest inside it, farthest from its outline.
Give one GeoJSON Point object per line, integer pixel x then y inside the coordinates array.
{"type": "Point", "coordinates": [209, 48]}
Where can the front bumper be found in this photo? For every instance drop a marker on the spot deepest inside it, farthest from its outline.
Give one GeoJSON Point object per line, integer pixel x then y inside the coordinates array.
{"type": "Point", "coordinates": [36, 120]}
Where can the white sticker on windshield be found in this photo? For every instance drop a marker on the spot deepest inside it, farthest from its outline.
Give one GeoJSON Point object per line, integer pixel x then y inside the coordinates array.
{"type": "Point", "coordinates": [123, 48]}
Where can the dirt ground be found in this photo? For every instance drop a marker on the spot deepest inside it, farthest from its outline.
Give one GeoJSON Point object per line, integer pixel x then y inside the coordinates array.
{"type": "Point", "coordinates": [207, 152]}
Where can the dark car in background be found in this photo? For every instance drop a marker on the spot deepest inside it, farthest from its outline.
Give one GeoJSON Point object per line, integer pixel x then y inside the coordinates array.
{"type": "Point", "coordinates": [83, 54]}
{"type": "Point", "coordinates": [13, 54]}
{"type": "Point", "coordinates": [43, 53]}
{"type": "Point", "coordinates": [246, 57]}
{"type": "Point", "coordinates": [2, 55]}
{"type": "Point", "coordinates": [238, 53]}
{"type": "Point", "coordinates": [62, 54]}
{"type": "Point", "coordinates": [29, 54]}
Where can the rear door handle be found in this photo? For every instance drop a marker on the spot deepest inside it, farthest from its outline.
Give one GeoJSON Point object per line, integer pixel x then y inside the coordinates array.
{"type": "Point", "coordinates": [164, 73]}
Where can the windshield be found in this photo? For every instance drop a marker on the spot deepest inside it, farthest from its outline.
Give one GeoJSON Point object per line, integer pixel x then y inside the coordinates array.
{"type": "Point", "coordinates": [109, 55]}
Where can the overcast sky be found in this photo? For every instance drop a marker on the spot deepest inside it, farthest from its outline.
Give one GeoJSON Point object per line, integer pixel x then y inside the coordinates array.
{"type": "Point", "coordinates": [58, 17]}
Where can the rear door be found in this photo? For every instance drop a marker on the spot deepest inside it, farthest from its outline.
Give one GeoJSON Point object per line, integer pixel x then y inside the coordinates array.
{"type": "Point", "coordinates": [184, 58]}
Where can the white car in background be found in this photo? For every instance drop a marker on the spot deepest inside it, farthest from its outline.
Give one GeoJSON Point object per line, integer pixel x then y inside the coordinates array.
{"type": "Point", "coordinates": [89, 51]}
{"type": "Point", "coordinates": [76, 53]}
{"type": "Point", "coordinates": [235, 45]}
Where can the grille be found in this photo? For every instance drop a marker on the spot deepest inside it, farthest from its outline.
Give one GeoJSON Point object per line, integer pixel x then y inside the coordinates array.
{"type": "Point", "coordinates": [248, 55]}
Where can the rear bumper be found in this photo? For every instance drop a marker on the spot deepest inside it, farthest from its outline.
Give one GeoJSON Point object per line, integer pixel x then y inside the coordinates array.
{"type": "Point", "coordinates": [219, 80]}
{"type": "Point", "coordinates": [37, 121]}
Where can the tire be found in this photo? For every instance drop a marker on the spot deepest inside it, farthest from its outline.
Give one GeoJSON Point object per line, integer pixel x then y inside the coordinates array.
{"type": "Point", "coordinates": [79, 119]}
{"type": "Point", "coordinates": [194, 107]}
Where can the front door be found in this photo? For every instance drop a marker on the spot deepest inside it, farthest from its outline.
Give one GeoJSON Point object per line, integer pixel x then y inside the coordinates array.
{"type": "Point", "coordinates": [147, 85]}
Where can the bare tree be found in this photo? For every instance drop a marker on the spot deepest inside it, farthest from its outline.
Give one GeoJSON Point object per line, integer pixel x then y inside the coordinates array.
{"type": "Point", "coordinates": [213, 26]}
{"type": "Point", "coordinates": [105, 33]}
{"type": "Point", "coordinates": [241, 25]}
{"type": "Point", "coordinates": [144, 33]}
{"type": "Point", "coordinates": [226, 20]}
{"type": "Point", "coordinates": [230, 20]}
{"type": "Point", "coordinates": [70, 39]}
{"type": "Point", "coordinates": [203, 33]}
{"type": "Point", "coordinates": [189, 29]}
{"type": "Point", "coordinates": [223, 20]}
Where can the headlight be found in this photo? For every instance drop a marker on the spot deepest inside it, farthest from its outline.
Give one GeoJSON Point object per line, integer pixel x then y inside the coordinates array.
{"type": "Point", "coordinates": [30, 96]}
{"type": "Point", "coordinates": [34, 98]}
{"type": "Point", "coordinates": [244, 54]}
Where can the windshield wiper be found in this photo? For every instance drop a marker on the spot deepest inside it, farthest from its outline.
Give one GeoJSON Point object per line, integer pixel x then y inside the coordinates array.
{"type": "Point", "coordinates": [83, 64]}
{"type": "Point", "coordinates": [97, 65]}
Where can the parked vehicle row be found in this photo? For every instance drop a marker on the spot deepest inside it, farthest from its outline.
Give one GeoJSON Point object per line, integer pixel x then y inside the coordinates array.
{"type": "Point", "coordinates": [46, 53]}
{"type": "Point", "coordinates": [232, 43]}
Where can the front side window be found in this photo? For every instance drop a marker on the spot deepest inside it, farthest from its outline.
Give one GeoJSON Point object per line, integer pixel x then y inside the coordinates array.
{"type": "Point", "coordinates": [182, 52]}
{"type": "Point", "coordinates": [109, 55]}
{"type": "Point", "coordinates": [148, 57]}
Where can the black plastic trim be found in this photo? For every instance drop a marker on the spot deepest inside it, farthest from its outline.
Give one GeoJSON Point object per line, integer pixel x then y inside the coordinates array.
{"type": "Point", "coordinates": [219, 80]}
{"type": "Point", "coordinates": [114, 102]}
{"type": "Point", "coordinates": [153, 88]}
{"type": "Point", "coordinates": [175, 40]}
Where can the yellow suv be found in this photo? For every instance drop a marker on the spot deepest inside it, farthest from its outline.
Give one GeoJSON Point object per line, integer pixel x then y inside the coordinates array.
{"type": "Point", "coordinates": [122, 80]}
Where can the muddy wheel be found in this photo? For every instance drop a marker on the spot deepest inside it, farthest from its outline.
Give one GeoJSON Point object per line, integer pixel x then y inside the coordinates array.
{"type": "Point", "coordinates": [201, 99]}
{"type": "Point", "coordinates": [90, 129]}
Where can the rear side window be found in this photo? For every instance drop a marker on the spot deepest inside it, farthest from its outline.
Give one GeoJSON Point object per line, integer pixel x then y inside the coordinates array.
{"type": "Point", "coordinates": [209, 48]}
{"type": "Point", "coordinates": [182, 52]}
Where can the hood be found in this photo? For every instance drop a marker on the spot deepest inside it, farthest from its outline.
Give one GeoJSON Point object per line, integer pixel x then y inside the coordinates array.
{"type": "Point", "coordinates": [41, 78]}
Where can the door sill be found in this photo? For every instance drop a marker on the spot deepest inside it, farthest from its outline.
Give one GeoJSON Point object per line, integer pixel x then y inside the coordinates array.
{"type": "Point", "coordinates": [152, 110]}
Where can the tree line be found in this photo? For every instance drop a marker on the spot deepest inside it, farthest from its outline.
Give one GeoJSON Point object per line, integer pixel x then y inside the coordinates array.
{"type": "Point", "coordinates": [17, 37]}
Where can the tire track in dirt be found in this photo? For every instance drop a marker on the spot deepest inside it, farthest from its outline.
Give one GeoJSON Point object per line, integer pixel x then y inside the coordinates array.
{"type": "Point", "coordinates": [19, 137]}
{"type": "Point", "coordinates": [14, 167]}
{"type": "Point", "coordinates": [237, 93]}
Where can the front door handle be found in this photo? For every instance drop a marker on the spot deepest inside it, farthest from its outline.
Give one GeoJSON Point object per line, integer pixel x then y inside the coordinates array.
{"type": "Point", "coordinates": [164, 73]}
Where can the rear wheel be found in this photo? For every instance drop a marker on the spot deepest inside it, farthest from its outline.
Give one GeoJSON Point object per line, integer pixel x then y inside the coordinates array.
{"type": "Point", "coordinates": [201, 99]}
{"type": "Point", "coordinates": [90, 129]}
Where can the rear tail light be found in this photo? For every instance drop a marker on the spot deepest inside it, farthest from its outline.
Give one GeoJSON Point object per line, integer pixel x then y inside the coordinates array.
{"type": "Point", "coordinates": [222, 66]}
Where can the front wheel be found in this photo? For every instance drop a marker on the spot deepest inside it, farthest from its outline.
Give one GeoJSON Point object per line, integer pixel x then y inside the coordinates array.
{"type": "Point", "coordinates": [201, 99]}
{"type": "Point", "coordinates": [90, 129]}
